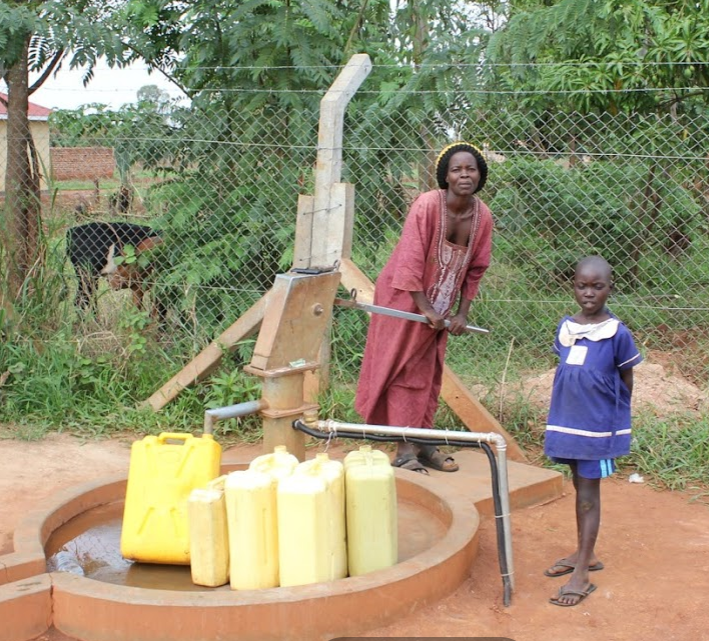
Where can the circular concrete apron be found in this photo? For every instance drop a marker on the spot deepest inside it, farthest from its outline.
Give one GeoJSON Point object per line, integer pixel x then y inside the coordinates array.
{"type": "Point", "coordinates": [437, 541]}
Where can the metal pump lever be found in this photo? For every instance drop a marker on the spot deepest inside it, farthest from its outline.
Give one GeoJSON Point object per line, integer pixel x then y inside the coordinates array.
{"type": "Point", "coordinates": [352, 303]}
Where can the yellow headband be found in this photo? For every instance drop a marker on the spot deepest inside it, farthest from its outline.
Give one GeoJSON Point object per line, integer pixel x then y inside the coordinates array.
{"type": "Point", "coordinates": [455, 144]}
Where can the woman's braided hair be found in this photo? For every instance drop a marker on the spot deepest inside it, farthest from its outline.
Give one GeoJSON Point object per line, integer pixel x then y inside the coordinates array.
{"type": "Point", "coordinates": [445, 156]}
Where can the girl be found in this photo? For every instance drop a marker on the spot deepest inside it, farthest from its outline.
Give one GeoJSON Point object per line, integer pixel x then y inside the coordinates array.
{"type": "Point", "coordinates": [589, 416]}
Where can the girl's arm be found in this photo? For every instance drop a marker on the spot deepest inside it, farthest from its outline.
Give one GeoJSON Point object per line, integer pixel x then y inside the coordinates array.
{"type": "Point", "coordinates": [626, 376]}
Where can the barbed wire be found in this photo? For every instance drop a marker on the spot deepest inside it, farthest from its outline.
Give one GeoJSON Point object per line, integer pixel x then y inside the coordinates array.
{"type": "Point", "coordinates": [472, 65]}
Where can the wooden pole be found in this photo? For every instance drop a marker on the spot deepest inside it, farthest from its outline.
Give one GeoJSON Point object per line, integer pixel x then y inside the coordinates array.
{"type": "Point", "coordinates": [207, 360]}
{"type": "Point", "coordinates": [329, 202]}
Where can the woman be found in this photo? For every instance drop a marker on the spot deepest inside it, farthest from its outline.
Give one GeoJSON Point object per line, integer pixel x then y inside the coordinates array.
{"type": "Point", "coordinates": [439, 260]}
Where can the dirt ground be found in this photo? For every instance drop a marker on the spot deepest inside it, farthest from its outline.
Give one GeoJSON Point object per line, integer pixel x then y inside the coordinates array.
{"type": "Point", "coordinates": [655, 546]}
{"type": "Point", "coordinates": [659, 387]}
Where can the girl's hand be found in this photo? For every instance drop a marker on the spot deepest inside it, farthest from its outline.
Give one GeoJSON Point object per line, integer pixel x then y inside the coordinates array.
{"type": "Point", "coordinates": [457, 324]}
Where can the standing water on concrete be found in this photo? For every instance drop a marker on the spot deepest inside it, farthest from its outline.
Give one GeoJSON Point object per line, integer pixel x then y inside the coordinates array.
{"type": "Point", "coordinates": [91, 541]}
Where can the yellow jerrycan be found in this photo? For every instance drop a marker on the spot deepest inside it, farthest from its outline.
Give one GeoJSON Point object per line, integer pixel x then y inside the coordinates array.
{"type": "Point", "coordinates": [278, 464]}
{"type": "Point", "coordinates": [311, 523]}
{"type": "Point", "coordinates": [209, 536]}
{"type": "Point", "coordinates": [162, 473]}
{"type": "Point", "coordinates": [253, 530]}
{"type": "Point", "coordinates": [371, 512]}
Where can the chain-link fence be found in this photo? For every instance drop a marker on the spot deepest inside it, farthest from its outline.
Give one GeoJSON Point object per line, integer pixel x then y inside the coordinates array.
{"type": "Point", "coordinates": [631, 188]}
{"type": "Point", "coordinates": [221, 183]}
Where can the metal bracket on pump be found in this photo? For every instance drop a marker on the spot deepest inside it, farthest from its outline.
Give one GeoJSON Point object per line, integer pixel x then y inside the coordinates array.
{"type": "Point", "coordinates": [316, 271]}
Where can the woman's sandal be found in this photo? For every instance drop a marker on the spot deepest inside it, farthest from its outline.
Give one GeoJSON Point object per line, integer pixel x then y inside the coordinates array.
{"type": "Point", "coordinates": [437, 460]}
{"type": "Point", "coordinates": [409, 462]}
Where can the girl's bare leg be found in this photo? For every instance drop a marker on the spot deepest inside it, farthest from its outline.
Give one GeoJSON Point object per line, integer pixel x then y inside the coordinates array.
{"type": "Point", "coordinates": [573, 557]}
{"type": "Point", "coordinates": [588, 520]}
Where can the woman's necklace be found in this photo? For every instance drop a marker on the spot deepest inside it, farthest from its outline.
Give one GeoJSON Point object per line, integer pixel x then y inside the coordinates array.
{"type": "Point", "coordinates": [475, 209]}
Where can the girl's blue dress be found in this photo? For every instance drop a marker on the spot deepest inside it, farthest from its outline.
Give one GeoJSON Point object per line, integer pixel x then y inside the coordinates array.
{"type": "Point", "coordinates": [589, 415]}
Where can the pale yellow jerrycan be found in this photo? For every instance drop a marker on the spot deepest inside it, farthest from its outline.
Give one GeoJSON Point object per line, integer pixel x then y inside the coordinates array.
{"type": "Point", "coordinates": [253, 530]}
{"type": "Point", "coordinates": [311, 523]}
{"type": "Point", "coordinates": [209, 535]}
{"type": "Point", "coordinates": [364, 454]}
{"type": "Point", "coordinates": [278, 464]}
{"type": "Point", "coordinates": [163, 472]}
{"type": "Point", "coordinates": [302, 530]}
{"type": "Point", "coordinates": [371, 512]}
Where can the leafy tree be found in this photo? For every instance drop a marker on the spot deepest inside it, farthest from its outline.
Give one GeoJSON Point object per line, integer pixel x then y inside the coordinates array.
{"type": "Point", "coordinates": [37, 36]}
{"type": "Point", "coordinates": [570, 63]}
{"type": "Point", "coordinates": [612, 55]}
{"type": "Point", "coordinates": [256, 73]}
{"type": "Point", "coordinates": [142, 132]}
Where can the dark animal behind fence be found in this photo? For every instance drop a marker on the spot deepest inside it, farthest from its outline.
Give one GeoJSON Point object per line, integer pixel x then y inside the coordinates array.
{"type": "Point", "coordinates": [121, 202]}
{"type": "Point", "coordinates": [93, 248]}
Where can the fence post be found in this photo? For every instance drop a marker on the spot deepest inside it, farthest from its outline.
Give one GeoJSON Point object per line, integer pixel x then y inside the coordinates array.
{"type": "Point", "coordinates": [330, 222]}
{"type": "Point", "coordinates": [325, 220]}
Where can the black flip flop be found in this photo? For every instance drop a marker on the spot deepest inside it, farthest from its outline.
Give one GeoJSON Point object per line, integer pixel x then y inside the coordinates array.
{"type": "Point", "coordinates": [436, 460]}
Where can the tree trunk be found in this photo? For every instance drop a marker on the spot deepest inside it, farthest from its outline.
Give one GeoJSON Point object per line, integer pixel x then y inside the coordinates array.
{"type": "Point", "coordinates": [649, 212]}
{"type": "Point", "coordinates": [22, 187]}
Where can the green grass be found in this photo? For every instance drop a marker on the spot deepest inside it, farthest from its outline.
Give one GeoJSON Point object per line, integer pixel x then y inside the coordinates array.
{"type": "Point", "coordinates": [105, 184]}
{"type": "Point", "coordinates": [86, 185]}
{"type": "Point", "coordinates": [673, 452]}
{"type": "Point", "coordinates": [96, 394]}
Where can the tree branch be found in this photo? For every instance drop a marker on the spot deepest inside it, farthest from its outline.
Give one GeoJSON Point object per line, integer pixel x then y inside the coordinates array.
{"type": "Point", "coordinates": [678, 99]}
{"type": "Point", "coordinates": [47, 72]}
{"type": "Point", "coordinates": [167, 76]}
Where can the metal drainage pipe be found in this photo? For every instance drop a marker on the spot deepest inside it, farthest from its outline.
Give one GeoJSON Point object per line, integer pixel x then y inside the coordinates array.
{"type": "Point", "coordinates": [327, 429]}
{"type": "Point", "coordinates": [231, 411]}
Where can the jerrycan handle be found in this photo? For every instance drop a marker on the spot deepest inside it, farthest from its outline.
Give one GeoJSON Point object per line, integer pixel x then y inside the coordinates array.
{"type": "Point", "coordinates": [217, 483]}
{"type": "Point", "coordinates": [173, 436]}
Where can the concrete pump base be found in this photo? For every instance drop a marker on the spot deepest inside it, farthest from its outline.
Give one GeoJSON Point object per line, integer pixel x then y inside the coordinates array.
{"type": "Point", "coordinates": [87, 609]}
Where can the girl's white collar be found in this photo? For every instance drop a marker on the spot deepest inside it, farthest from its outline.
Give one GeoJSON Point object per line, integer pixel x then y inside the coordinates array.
{"type": "Point", "coordinates": [570, 331]}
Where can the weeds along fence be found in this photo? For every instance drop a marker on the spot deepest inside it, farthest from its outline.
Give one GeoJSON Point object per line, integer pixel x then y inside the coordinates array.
{"type": "Point", "coordinates": [221, 181]}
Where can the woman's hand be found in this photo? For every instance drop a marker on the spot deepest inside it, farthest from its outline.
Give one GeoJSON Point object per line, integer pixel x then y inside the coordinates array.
{"type": "Point", "coordinates": [435, 321]}
{"type": "Point", "coordinates": [458, 324]}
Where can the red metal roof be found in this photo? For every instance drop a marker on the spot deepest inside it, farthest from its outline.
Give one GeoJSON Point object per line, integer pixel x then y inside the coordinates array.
{"type": "Point", "coordinates": [35, 112]}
